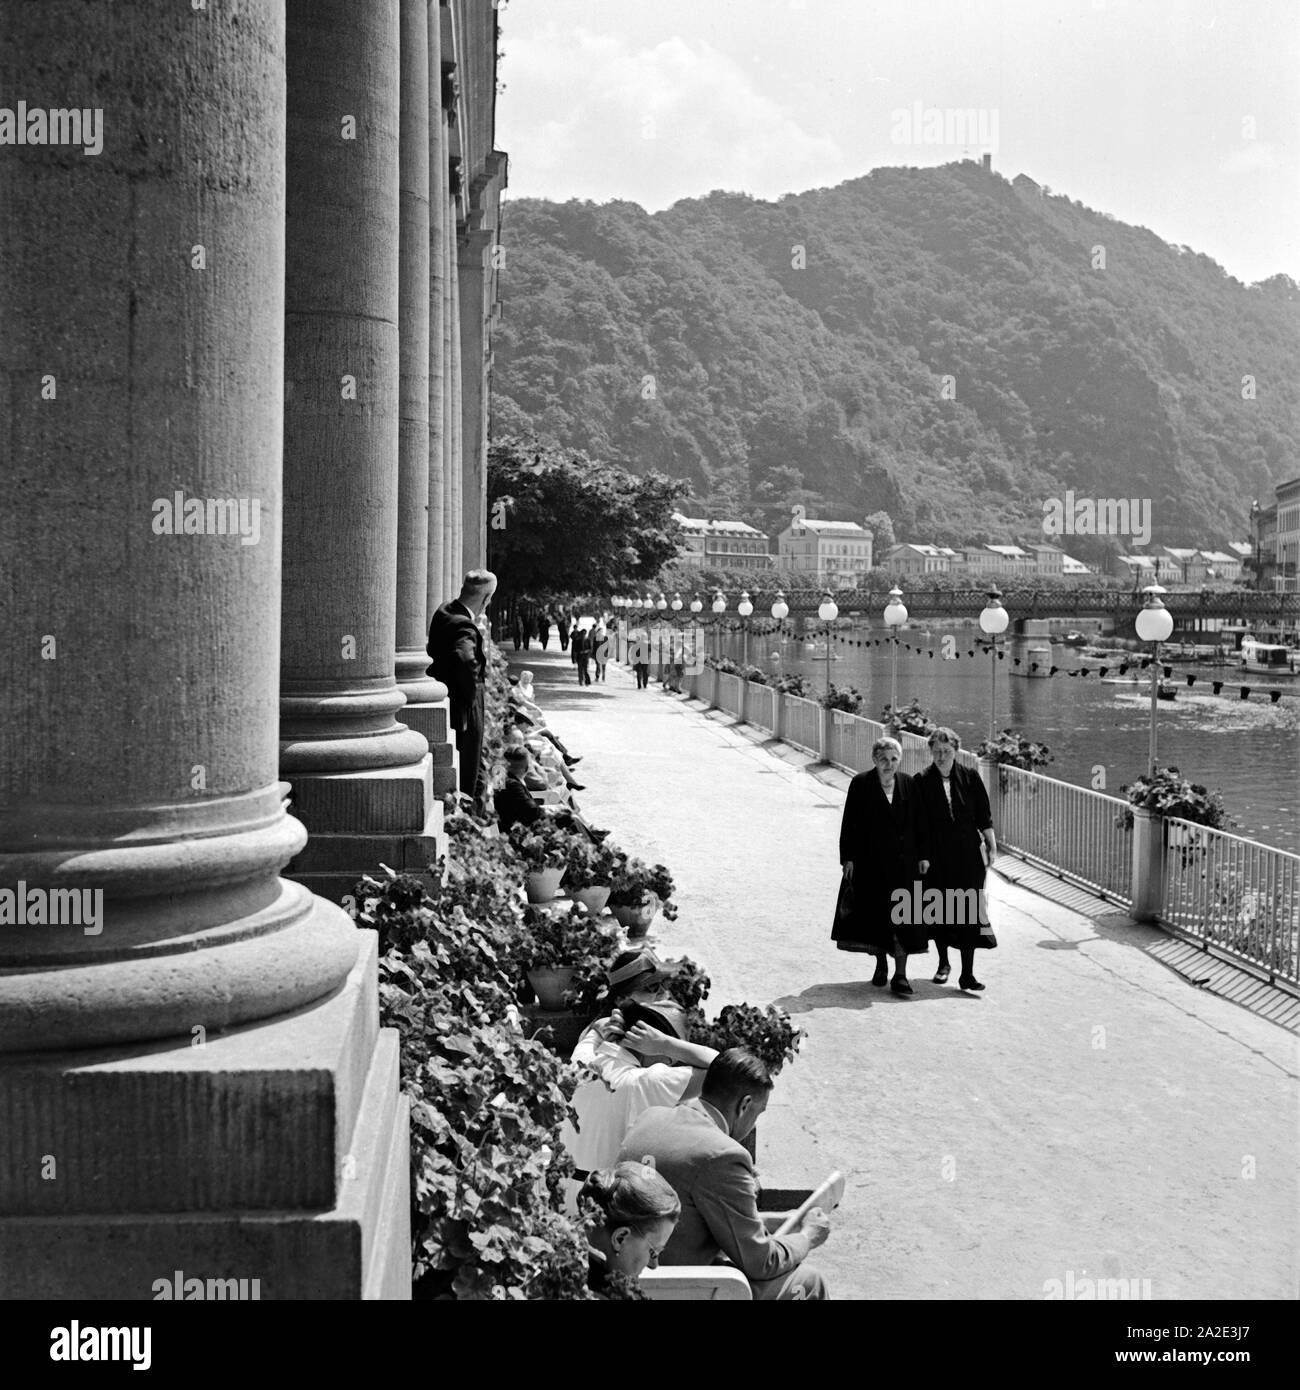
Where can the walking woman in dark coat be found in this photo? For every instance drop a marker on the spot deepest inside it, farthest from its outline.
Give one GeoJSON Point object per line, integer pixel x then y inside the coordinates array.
{"type": "Point", "coordinates": [961, 823]}
{"type": "Point", "coordinates": [884, 847]}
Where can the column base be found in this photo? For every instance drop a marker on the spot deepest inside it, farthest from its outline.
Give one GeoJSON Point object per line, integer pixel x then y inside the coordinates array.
{"type": "Point", "coordinates": [360, 820]}
{"type": "Point", "coordinates": [277, 1152]}
{"type": "Point", "coordinates": [433, 720]}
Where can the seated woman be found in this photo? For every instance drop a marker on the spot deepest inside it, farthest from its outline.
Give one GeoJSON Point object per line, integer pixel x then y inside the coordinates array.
{"type": "Point", "coordinates": [636, 1058]}
{"type": "Point", "coordinates": [638, 1211]}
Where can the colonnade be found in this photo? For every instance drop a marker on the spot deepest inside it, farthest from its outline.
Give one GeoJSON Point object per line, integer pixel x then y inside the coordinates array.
{"type": "Point", "coordinates": [243, 385]}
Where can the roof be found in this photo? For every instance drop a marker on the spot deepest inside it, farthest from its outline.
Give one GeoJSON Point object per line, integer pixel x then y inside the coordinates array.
{"type": "Point", "coordinates": [931, 552]}
{"type": "Point", "coordinates": [1072, 566]}
{"type": "Point", "coordinates": [1013, 552]}
{"type": "Point", "coordinates": [1241, 548]}
{"type": "Point", "coordinates": [704, 526]}
{"type": "Point", "coordinates": [829, 528]}
{"type": "Point", "coordinates": [1218, 557]}
{"type": "Point", "coordinates": [1145, 562]}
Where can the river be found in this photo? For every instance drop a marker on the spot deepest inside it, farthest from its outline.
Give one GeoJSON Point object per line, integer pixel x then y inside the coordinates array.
{"type": "Point", "coordinates": [1247, 750]}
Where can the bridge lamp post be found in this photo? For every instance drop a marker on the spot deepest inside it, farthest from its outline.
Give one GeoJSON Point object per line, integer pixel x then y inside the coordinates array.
{"type": "Point", "coordinates": [719, 608]}
{"type": "Point", "coordinates": [780, 612]}
{"type": "Point", "coordinates": [895, 617]}
{"type": "Point", "coordinates": [676, 606]}
{"type": "Point", "coordinates": [828, 612]}
{"type": "Point", "coordinates": [697, 607]}
{"type": "Point", "coordinates": [1154, 624]}
{"type": "Point", "coordinates": [745, 609]}
{"type": "Point", "coordinates": [661, 605]}
{"type": "Point", "coordinates": [993, 620]}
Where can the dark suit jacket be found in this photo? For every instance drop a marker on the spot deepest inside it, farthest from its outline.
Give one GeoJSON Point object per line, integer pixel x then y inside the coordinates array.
{"type": "Point", "coordinates": [456, 659]}
{"type": "Point", "coordinates": [714, 1177]}
{"type": "Point", "coordinates": [515, 803]}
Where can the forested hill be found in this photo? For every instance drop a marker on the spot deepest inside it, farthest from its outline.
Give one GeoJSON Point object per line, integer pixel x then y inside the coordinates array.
{"type": "Point", "coordinates": [795, 351]}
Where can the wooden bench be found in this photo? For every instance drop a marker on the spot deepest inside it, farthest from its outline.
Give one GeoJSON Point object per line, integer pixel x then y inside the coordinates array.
{"type": "Point", "coordinates": [696, 1283]}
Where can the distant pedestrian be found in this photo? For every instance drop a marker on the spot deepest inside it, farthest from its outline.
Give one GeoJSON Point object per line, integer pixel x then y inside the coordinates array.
{"type": "Point", "coordinates": [581, 653]}
{"type": "Point", "coordinates": [884, 847]}
{"type": "Point", "coordinates": [544, 627]}
{"type": "Point", "coordinates": [457, 659]}
{"type": "Point", "coordinates": [527, 626]}
{"type": "Point", "coordinates": [562, 627]}
{"type": "Point", "coordinates": [600, 650]}
{"type": "Point", "coordinates": [961, 826]}
{"type": "Point", "coordinates": [638, 652]}
{"type": "Point", "coordinates": [517, 630]}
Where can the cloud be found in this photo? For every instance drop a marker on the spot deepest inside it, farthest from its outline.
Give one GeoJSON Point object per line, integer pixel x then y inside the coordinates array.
{"type": "Point", "coordinates": [1256, 155]}
{"type": "Point", "coordinates": [584, 116]}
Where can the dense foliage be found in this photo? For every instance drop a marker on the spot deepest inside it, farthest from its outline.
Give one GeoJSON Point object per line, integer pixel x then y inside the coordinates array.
{"type": "Point", "coordinates": [794, 352]}
{"type": "Point", "coordinates": [768, 1033]}
{"type": "Point", "coordinates": [1169, 793]}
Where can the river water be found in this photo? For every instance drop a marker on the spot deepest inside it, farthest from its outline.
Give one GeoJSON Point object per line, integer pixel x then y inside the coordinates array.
{"type": "Point", "coordinates": [1247, 750]}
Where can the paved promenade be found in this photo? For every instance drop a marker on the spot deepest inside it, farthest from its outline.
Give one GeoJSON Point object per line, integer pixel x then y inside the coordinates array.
{"type": "Point", "coordinates": [1091, 1116]}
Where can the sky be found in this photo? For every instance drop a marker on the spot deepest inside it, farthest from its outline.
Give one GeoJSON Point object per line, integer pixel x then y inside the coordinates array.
{"type": "Point", "coordinates": [1182, 116]}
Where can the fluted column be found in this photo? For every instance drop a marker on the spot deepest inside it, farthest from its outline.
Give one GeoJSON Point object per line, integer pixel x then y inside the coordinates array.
{"type": "Point", "coordinates": [141, 304]}
{"type": "Point", "coordinates": [437, 586]}
{"type": "Point", "coordinates": [473, 387]}
{"type": "Point", "coordinates": [456, 476]}
{"type": "Point", "coordinates": [414, 331]}
{"type": "Point", "coordinates": [356, 770]}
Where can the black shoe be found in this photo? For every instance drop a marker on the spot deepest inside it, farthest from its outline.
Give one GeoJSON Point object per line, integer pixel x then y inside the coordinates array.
{"type": "Point", "coordinates": [941, 975]}
{"type": "Point", "coordinates": [900, 986]}
{"type": "Point", "coordinates": [599, 835]}
{"type": "Point", "coordinates": [571, 761]}
{"type": "Point", "coordinates": [576, 787]}
{"type": "Point", "coordinates": [969, 982]}
{"type": "Point", "coordinates": [881, 978]}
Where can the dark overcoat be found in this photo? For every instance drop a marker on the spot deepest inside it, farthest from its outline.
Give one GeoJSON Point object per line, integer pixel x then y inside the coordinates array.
{"type": "Point", "coordinates": [885, 842]}
{"type": "Point", "coordinates": [956, 838]}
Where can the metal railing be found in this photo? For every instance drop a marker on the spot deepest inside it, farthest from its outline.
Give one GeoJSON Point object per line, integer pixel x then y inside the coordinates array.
{"type": "Point", "coordinates": [802, 723]}
{"type": "Point", "coordinates": [730, 689]}
{"type": "Point", "coordinates": [1236, 895]}
{"type": "Point", "coordinates": [760, 707]}
{"type": "Point", "coordinates": [1076, 833]}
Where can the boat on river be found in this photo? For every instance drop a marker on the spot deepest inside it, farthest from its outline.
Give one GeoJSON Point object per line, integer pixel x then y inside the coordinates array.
{"type": "Point", "coordinates": [1269, 658]}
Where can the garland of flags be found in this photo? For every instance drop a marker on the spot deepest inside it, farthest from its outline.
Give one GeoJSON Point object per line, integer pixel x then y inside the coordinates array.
{"type": "Point", "coordinates": [1122, 667]}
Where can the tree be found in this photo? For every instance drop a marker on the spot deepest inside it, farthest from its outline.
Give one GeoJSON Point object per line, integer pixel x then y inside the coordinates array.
{"type": "Point", "coordinates": [881, 526]}
{"type": "Point", "coordinates": [561, 523]}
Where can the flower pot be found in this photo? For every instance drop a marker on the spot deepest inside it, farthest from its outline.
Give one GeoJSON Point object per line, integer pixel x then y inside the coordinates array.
{"type": "Point", "coordinates": [543, 884]}
{"type": "Point", "coordinates": [549, 985]}
{"type": "Point", "coordinates": [636, 920]}
{"type": "Point", "coordinates": [593, 898]}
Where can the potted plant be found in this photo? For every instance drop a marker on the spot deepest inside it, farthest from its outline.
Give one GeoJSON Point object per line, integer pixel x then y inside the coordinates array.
{"type": "Point", "coordinates": [565, 954]}
{"type": "Point", "coordinates": [768, 1033]}
{"type": "Point", "coordinates": [544, 848]}
{"type": "Point", "coordinates": [638, 892]}
{"type": "Point", "coordinates": [1012, 749]}
{"type": "Point", "coordinates": [912, 720]}
{"type": "Point", "coordinates": [589, 872]}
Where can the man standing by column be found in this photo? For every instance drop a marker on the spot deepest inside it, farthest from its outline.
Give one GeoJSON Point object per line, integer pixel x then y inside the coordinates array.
{"type": "Point", "coordinates": [456, 658]}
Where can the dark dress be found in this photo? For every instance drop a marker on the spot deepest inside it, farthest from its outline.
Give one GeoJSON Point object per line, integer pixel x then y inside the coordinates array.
{"type": "Point", "coordinates": [885, 841]}
{"type": "Point", "coordinates": [457, 659]}
{"type": "Point", "coordinates": [956, 859]}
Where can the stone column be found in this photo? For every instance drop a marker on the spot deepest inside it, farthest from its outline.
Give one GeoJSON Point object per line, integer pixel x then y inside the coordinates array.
{"type": "Point", "coordinates": [456, 477]}
{"type": "Point", "coordinates": [473, 387]}
{"type": "Point", "coordinates": [361, 779]}
{"type": "Point", "coordinates": [159, 1099]}
{"type": "Point", "coordinates": [437, 589]}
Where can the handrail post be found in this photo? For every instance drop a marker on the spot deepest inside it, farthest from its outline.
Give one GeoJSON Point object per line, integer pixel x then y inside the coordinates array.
{"type": "Point", "coordinates": [742, 716]}
{"type": "Point", "coordinates": [824, 733]}
{"type": "Point", "coordinates": [713, 687]}
{"type": "Point", "coordinates": [1148, 881]}
{"type": "Point", "coordinates": [778, 715]}
{"type": "Point", "coordinates": [993, 785]}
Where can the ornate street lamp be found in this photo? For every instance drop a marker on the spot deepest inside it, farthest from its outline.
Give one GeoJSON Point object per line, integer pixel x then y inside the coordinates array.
{"type": "Point", "coordinates": [993, 620]}
{"type": "Point", "coordinates": [1154, 624]}
{"type": "Point", "coordinates": [828, 612]}
{"type": "Point", "coordinates": [719, 608]}
{"type": "Point", "coordinates": [895, 617]}
{"type": "Point", "coordinates": [780, 612]}
{"type": "Point", "coordinates": [745, 609]}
